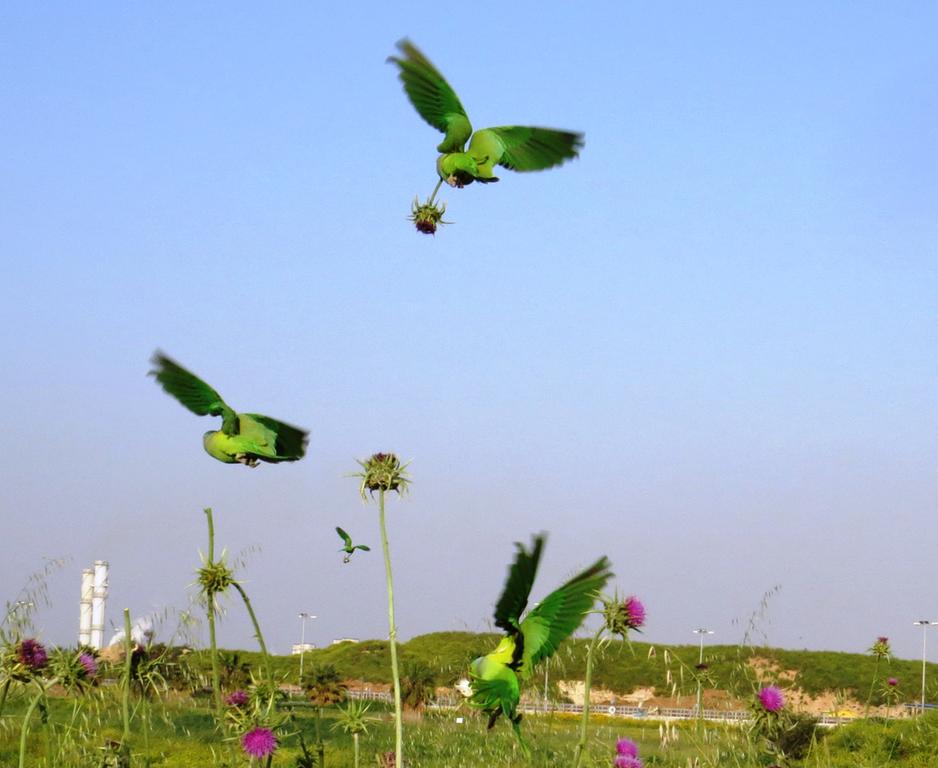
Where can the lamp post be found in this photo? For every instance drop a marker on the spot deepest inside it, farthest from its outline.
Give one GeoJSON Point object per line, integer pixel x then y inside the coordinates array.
{"type": "Point", "coordinates": [924, 624]}
{"type": "Point", "coordinates": [701, 631]}
{"type": "Point", "coordinates": [303, 617]}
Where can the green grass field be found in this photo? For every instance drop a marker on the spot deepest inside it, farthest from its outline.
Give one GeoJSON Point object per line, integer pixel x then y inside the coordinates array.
{"type": "Point", "coordinates": [180, 733]}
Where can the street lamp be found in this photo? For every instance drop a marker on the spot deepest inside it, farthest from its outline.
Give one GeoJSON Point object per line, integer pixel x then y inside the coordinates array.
{"type": "Point", "coordinates": [924, 624]}
{"type": "Point", "coordinates": [701, 631]}
{"type": "Point", "coordinates": [303, 617]}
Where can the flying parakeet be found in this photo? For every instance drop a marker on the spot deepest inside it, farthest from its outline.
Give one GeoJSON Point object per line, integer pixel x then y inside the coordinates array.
{"type": "Point", "coordinates": [516, 147]}
{"type": "Point", "coordinates": [495, 678]}
{"type": "Point", "coordinates": [244, 438]}
{"type": "Point", "coordinates": [348, 547]}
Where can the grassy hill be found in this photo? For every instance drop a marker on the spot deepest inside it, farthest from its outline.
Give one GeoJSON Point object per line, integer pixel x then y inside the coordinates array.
{"type": "Point", "coordinates": [622, 667]}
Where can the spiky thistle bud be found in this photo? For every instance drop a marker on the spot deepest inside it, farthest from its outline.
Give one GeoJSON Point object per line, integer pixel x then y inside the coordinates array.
{"type": "Point", "coordinates": [427, 216]}
{"type": "Point", "coordinates": [383, 472]}
{"type": "Point", "coordinates": [215, 578]}
{"type": "Point", "coordinates": [881, 649]}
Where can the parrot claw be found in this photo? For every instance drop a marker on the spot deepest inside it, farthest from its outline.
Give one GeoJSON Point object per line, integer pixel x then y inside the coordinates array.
{"type": "Point", "coordinates": [247, 460]}
{"type": "Point", "coordinates": [346, 559]}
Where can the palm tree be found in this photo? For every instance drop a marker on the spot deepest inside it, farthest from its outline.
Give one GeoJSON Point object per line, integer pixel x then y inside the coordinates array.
{"type": "Point", "coordinates": [353, 719]}
{"type": "Point", "coordinates": [418, 686]}
{"type": "Point", "coordinates": [324, 688]}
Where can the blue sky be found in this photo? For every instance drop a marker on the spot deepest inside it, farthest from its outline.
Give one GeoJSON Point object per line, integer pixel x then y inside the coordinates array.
{"type": "Point", "coordinates": [706, 348]}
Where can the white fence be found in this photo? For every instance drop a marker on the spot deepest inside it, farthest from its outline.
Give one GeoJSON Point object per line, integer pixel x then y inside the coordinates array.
{"type": "Point", "coordinates": [617, 710]}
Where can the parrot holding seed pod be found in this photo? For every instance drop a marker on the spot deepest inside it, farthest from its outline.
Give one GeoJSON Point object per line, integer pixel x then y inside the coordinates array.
{"type": "Point", "coordinates": [516, 147]}
{"type": "Point", "coordinates": [347, 547]}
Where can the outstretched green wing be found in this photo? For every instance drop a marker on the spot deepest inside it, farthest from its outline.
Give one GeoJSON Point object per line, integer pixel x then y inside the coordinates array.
{"type": "Point", "coordinates": [521, 575]}
{"type": "Point", "coordinates": [347, 540]}
{"type": "Point", "coordinates": [290, 442]}
{"type": "Point", "coordinates": [560, 614]}
{"type": "Point", "coordinates": [192, 392]}
{"type": "Point", "coordinates": [432, 97]}
{"type": "Point", "coordinates": [524, 148]}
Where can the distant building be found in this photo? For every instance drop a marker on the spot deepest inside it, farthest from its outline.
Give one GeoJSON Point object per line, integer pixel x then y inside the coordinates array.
{"type": "Point", "coordinates": [299, 648]}
{"type": "Point", "coordinates": [340, 640]}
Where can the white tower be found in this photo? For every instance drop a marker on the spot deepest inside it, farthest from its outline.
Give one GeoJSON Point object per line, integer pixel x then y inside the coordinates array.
{"type": "Point", "coordinates": [84, 615]}
{"type": "Point", "coordinates": [98, 596]}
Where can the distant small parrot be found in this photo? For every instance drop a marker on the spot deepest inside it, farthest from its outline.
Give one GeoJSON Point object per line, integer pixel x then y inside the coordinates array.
{"type": "Point", "coordinates": [495, 678]}
{"type": "Point", "coordinates": [348, 547]}
{"type": "Point", "coordinates": [516, 147]}
{"type": "Point", "coordinates": [244, 438]}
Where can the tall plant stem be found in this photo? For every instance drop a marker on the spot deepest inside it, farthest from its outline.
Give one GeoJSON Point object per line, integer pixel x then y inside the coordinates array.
{"type": "Point", "coordinates": [587, 681]}
{"type": "Point", "coordinates": [435, 190]}
{"type": "Point", "coordinates": [392, 634]}
{"type": "Point", "coordinates": [24, 729]}
{"type": "Point", "coordinates": [869, 698]}
{"type": "Point", "coordinates": [210, 598]}
{"type": "Point", "coordinates": [257, 630]}
{"type": "Point", "coordinates": [125, 702]}
{"type": "Point", "coordinates": [3, 694]}
{"type": "Point", "coordinates": [145, 719]}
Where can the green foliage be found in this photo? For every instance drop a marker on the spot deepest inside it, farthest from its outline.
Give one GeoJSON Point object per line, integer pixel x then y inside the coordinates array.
{"type": "Point", "coordinates": [354, 718]}
{"type": "Point", "coordinates": [324, 686]}
{"type": "Point", "coordinates": [418, 685]}
{"type": "Point", "coordinates": [799, 732]}
{"type": "Point", "coordinates": [621, 666]}
{"type": "Point", "coordinates": [235, 671]}
{"type": "Point", "coordinates": [909, 743]}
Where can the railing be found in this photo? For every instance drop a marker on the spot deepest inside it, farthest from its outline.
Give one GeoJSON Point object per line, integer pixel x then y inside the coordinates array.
{"type": "Point", "coordinates": [617, 710]}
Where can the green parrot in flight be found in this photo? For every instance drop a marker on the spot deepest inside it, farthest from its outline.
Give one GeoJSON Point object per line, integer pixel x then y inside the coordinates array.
{"type": "Point", "coordinates": [348, 548]}
{"type": "Point", "coordinates": [516, 147]}
{"type": "Point", "coordinates": [495, 678]}
{"type": "Point", "coordinates": [244, 438]}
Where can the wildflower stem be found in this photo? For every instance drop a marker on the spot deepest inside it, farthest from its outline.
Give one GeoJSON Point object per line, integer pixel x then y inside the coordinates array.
{"type": "Point", "coordinates": [257, 630]}
{"type": "Point", "coordinates": [125, 702]}
{"type": "Point", "coordinates": [392, 635]}
{"type": "Point", "coordinates": [24, 729]}
{"type": "Point", "coordinates": [435, 190]}
{"type": "Point", "coordinates": [587, 681]}
{"type": "Point", "coordinates": [210, 599]}
{"type": "Point", "coordinates": [869, 698]}
{"type": "Point", "coordinates": [3, 694]}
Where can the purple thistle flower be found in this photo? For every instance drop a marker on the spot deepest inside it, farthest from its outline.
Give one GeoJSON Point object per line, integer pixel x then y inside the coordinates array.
{"type": "Point", "coordinates": [626, 747]}
{"type": "Point", "coordinates": [635, 610]}
{"type": "Point", "coordinates": [622, 616]}
{"type": "Point", "coordinates": [892, 682]}
{"type": "Point", "coordinates": [627, 761]}
{"type": "Point", "coordinates": [89, 663]}
{"type": "Point", "coordinates": [771, 698]}
{"type": "Point", "coordinates": [236, 699]}
{"type": "Point", "coordinates": [259, 742]}
{"type": "Point", "coordinates": [31, 654]}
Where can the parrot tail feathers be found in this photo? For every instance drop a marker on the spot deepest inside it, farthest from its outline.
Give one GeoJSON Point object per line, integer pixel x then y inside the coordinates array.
{"type": "Point", "coordinates": [516, 727]}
